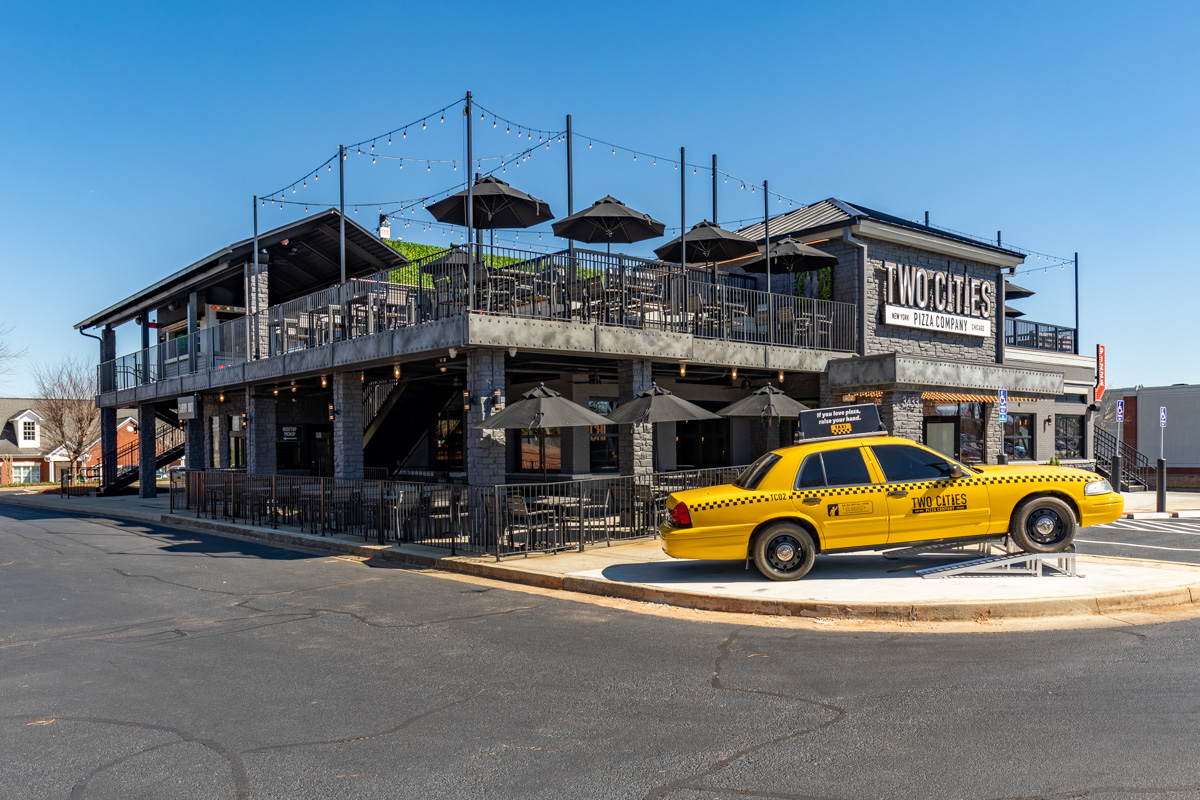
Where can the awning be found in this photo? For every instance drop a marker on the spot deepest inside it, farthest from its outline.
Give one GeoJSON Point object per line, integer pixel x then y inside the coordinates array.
{"type": "Point", "coordinates": [939, 397]}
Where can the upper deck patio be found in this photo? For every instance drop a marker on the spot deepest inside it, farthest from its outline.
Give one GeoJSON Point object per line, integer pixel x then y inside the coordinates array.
{"type": "Point", "coordinates": [568, 301]}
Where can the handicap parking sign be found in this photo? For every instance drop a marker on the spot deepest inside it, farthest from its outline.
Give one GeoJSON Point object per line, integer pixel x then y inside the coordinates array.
{"type": "Point", "coordinates": [1120, 411]}
{"type": "Point", "coordinates": [1162, 416]}
{"type": "Point", "coordinates": [1003, 405]}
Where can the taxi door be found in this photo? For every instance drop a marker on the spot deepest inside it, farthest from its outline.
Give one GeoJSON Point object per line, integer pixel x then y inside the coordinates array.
{"type": "Point", "coordinates": [835, 490]}
{"type": "Point", "coordinates": [924, 501]}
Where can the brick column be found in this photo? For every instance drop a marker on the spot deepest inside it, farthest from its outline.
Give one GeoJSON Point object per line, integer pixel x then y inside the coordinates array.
{"type": "Point", "coordinates": [260, 433]}
{"type": "Point", "coordinates": [636, 449]}
{"type": "Point", "coordinates": [257, 299]}
{"type": "Point", "coordinates": [902, 414]}
{"type": "Point", "coordinates": [993, 434]}
{"type": "Point", "coordinates": [195, 442]}
{"type": "Point", "coordinates": [487, 460]}
{"type": "Point", "coordinates": [347, 425]}
{"type": "Point", "coordinates": [147, 424]}
{"type": "Point", "coordinates": [108, 416]}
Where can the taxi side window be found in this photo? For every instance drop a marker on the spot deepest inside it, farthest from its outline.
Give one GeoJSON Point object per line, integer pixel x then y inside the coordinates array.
{"type": "Point", "coordinates": [833, 468]}
{"type": "Point", "coordinates": [901, 463]}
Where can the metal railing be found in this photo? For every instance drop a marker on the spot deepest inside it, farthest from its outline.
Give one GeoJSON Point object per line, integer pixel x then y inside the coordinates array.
{"type": "Point", "coordinates": [128, 456]}
{"type": "Point", "coordinates": [1038, 336]}
{"type": "Point", "coordinates": [583, 286]}
{"type": "Point", "coordinates": [504, 520]}
{"type": "Point", "coordinates": [1134, 463]}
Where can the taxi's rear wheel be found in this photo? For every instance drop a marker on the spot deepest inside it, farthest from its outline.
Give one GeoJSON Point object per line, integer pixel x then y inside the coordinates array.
{"type": "Point", "coordinates": [784, 552]}
{"type": "Point", "coordinates": [1043, 525]}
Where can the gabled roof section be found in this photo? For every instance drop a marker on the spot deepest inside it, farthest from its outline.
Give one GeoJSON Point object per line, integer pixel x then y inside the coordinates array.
{"type": "Point", "coordinates": [313, 246]}
{"type": "Point", "coordinates": [14, 408]}
{"type": "Point", "coordinates": [26, 413]}
{"type": "Point", "coordinates": [834, 213]}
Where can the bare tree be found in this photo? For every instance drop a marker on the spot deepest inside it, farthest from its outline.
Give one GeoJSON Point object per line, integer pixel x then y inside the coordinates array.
{"type": "Point", "coordinates": [66, 399]}
{"type": "Point", "coordinates": [8, 353]}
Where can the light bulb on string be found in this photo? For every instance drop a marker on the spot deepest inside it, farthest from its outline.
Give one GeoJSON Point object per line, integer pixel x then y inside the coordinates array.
{"type": "Point", "coordinates": [422, 124]}
{"type": "Point", "coordinates": [306, 183]}
{"type": "Point", "coordinates": [635, 156]}
{"type": "Point", "coordinates": [389, 140]}
{"type": "Point", "coordinates": [404, 134]}
{"type": "Point", "coordinates": [372, 147]}
{"type": "Point", "coordinates": [493, 122]}
{"type": "Point", "coordinates": [507, 129]}
{"type": "Point", "coordinates": [372, 159]}
{"type": "Point", "coordinates": [481, 115]}
{"type": "Point", "coordinates": [614, 151]}
{"type": "Point", "coordinates": [443, 119]}
{"type": "Point", "coordinates": [589, 144]}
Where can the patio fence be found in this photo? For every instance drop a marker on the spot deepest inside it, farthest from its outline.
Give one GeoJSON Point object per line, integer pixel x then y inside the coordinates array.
{"type": "Point", "coordinates": [505, 520]}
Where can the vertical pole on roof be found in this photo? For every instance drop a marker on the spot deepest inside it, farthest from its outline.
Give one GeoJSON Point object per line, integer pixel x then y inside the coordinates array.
{"type": "Point", "coordinates": [470, 208]}
{"type": "Point", "coordinates": [682, 211]}
{"type": "Point", "coordinates": [571, 189]}
{"type": "Point", "coordinates": [714, 179]}
{"type": "Point", "coordinates": [342, 209]}
{"type": "Point", "coordinates": [926, 219]}
{"type": "Point", "coordinates": [1077, 307]}
{"type": "Point", "coordinates": [252, 330]}
{"type": "Point", "coordinates": [767, 237]}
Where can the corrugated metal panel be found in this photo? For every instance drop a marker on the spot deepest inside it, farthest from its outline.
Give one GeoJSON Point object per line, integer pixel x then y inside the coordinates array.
{"type": "Point", "coordinates": [826, 212]}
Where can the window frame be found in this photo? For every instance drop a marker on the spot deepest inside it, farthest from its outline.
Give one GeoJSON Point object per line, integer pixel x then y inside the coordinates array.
{"type": "Point", "coordinates": [967, 471]}
{"type": "Point", "coordinates": [819, 454]}
{"type": "Point", "coordinates": [1081, 437]}
{"type": "Point", "coordinates": [29, 430]}
{"type": "Point", "coordinates": [1031, 436]}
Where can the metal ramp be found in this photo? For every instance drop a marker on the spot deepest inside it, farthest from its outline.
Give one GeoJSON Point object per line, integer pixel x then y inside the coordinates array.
{"type": "Point", "coordinates": [940, 548]}
{"type": "Point", "coordinates": [1021, 563]}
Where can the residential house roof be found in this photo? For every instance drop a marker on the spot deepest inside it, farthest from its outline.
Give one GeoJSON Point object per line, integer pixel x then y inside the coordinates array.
{"type": "Point", "coordinates": [10, 445]}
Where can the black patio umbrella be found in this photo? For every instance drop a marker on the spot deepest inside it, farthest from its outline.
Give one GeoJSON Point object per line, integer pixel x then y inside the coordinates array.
{"type": "Point", "coordinates": [709, 243]}
{"type": "Point", "coordinates": [767, 403]}
{"type": "Point", "coordinates": [608, 220]}
{"type": "Point", "coordinates": [1014, 292]}
{"type": "Point", "coordinates": [495, 205]}
{"type": "Point", "coordinates": [788, 255]}
{"type": "Point", "coordinates": [538, 409]}
{"type": "Point", "coordinates": [1012, 313]}
{"type": "Point", "coordinates": [657, 405]}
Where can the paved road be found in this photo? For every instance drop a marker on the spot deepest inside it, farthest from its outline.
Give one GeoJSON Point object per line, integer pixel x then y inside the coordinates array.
{"type": "Point", "coordinates": [145, 662]}
{"type": "Point", "coordinates": [1157, 539]}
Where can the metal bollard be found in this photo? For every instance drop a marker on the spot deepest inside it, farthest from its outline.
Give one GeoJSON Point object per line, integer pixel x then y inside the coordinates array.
{"type": "Point", "coordinates": [1160, 485]}
{"type": "Point", "coordinates": [1116, 473]}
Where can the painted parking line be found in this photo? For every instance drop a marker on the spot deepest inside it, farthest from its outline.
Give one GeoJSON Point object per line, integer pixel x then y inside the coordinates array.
{"type": "Point", "coordinates": [1153, 526]}
{"type": "Point", "coordinates": [1141, 546]}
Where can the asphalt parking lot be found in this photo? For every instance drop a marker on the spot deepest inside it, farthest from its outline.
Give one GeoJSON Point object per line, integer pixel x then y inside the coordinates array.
{"type": "Point", "coordinates": [1175, 540]}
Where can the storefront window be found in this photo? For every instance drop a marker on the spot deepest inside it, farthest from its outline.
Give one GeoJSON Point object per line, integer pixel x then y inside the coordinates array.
{"type": "Point", "coordinates": [1018, 436]}
{"type": "Point", "coordinates": [447, 439]}
{"type": "Point", "coordinates": [970, 432]}
{"type": "Point", "coordinates": [603, 442]}
{"type": "Point", "coordinates": [529, 451]}
{"type": "Point", "coordinates": [1068, 436]}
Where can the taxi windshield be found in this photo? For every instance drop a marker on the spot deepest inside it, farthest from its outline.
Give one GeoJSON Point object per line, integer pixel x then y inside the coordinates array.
{"type": "Point", "coordinates": [753, 474]}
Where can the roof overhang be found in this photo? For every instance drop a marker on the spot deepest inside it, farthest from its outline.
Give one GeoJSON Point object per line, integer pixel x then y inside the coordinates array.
{"type": "Point", "coordinates": [936, 244]}
{"type": "Point", "coordinates": [903, 373]}
{"type": "Point", "coordinates": [27, 413]}
{"type": "Point", "coordinates": [364, 253]}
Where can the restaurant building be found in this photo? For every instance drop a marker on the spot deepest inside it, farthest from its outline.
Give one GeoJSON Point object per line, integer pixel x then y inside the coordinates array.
{"type": "Point", "coordinates": [289, 369]}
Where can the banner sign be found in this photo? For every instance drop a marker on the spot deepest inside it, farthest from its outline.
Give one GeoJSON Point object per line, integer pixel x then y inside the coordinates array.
{"type": "Point", "coordinates": [821, 423]}
{"type": "Point", "coordinates": [185, 407]}
{"type": "Point", "coordinates": [1099, 373]}
{"type": "Point", "coordinates": [1003, 405]}
{"type": "Point", "coordinates": [936, 321]}
{"type": "Point", "coordinates": [289, 433]}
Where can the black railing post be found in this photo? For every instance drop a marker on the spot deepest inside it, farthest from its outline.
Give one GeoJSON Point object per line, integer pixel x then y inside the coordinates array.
{"type": "Point", "coordinates": [581, 525]}
{"type": "Point", "coordinates": [1115, 472]}
{"type": "Point", "coordinates": [1160, 486]}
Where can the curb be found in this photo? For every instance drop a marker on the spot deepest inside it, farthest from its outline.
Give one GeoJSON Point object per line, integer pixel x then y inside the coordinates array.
{"type": "Point", "coordinates": [883, 612]}
{"type": "Point", "coordinates": [1185, 514]}
{"type": "Point", "coordinates": [1149, 514]}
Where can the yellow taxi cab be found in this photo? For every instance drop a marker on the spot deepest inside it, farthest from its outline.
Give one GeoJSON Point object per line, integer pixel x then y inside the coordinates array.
{"type": "Point", "coordinates": [850, 492]}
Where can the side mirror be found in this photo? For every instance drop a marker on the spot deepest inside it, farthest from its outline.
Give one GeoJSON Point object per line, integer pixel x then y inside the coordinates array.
{"type": "Point", "coordinates": [956, 471]}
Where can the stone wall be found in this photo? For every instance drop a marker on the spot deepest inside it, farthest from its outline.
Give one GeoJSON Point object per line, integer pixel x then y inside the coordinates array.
{"type": "Point", "coordinates": [903, 414]}
{"type": "Point", "coordinates": [147, 427]}
{"type": "Point", "coordinates": [913, 342]}
{"type": "Point", "coordinates": [636, 449]}
{"type": "Point", "coordinates": [347, 425]}
{"type": "Point", "coordinates": [260, 433]}
{"type": "Point", "coordinates": [486, 454]}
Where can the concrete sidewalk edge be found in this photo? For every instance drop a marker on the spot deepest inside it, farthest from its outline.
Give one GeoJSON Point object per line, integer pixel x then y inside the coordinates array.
{"type": "Point", "coordinates": [1102, 605]}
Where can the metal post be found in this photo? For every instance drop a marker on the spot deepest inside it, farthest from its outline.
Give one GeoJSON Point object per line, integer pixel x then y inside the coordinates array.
{"type": "Point", "coordinates": [251, 328]}
{"type": "Point", "coordinates": [1160, 485]}
{"type": "Point", "coordinates": [683, 212]}
{"type": "Point", "coordinates": [926, 219]}
{"type": "Point", "coordinates": [1076, 337]}
{"type": "Point", "coordinates": [767, 237]}
{"type": "Point", "coordinates": [145, 377]}
{"type": "Point", "coordinates": [470, 208]}
{"type": "Point", "coordinates": [571, 190]}
{"type": "Point", "coordinates": [342, 209]}
{"type": "Point", "coordinates": [714, 179]}
{"type": "Point", "coordinates": [1116, 470]}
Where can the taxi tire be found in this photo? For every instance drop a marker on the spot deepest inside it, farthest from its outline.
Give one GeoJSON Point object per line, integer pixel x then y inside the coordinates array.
{"type": "Point", "coordinates": [775, 539]}
{"type": "Point", "coordinates": [1025, 534]}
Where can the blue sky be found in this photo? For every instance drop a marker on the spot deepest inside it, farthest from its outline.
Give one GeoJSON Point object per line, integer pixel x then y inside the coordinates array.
{"type": "Point", "coordinates": [136, 134]}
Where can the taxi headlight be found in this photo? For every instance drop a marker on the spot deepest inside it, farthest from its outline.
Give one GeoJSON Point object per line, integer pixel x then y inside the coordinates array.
{"type": "Point", "coordinates": [1097, 487]}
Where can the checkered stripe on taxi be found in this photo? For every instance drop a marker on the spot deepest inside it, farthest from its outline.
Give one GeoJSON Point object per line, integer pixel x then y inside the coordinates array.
{"type": "Point", "coordinates": [842, 491]}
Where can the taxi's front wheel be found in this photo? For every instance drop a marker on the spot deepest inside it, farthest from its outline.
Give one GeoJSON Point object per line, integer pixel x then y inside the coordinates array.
{"type": "Point", "coordinates": [1043, 525]}
{"type": "Point", "coordinates": [784, 552]}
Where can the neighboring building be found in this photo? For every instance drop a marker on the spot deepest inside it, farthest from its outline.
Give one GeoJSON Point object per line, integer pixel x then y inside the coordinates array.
{"type": "Point", "coordinates": [1141, 432]}
{"type": "Point", "coordinates": [284, 369]}
{"type": "Point", "coordinates": [23, 451]}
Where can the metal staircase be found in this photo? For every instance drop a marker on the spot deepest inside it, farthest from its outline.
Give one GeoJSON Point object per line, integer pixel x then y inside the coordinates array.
{"type": "Point", "coordinates": [168, 447]}
{"type": "Point", "coordinates": [1137, 472]}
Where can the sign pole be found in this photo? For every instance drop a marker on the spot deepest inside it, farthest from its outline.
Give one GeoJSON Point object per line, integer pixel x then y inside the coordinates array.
{"type": "Point", "coordinates": [1160, 477]}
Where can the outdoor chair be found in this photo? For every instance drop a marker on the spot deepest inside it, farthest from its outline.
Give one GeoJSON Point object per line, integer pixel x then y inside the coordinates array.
{"type": "Point", "coordinates": [523, 526]}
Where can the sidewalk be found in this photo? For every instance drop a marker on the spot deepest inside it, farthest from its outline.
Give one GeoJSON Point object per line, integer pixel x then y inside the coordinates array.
{"type": "Point", "coordinates": [860, 586]}
{"type": "Point", "coordinates": [1143, 505]}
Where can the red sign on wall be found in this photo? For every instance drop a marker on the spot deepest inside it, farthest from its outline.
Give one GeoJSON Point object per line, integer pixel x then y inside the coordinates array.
{"type": "Point", "coordinates": [1099, 372]}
